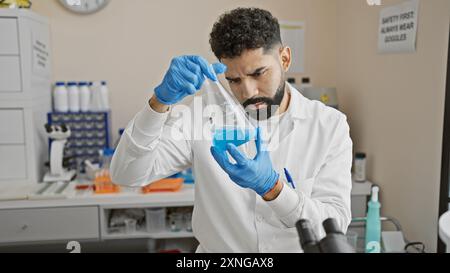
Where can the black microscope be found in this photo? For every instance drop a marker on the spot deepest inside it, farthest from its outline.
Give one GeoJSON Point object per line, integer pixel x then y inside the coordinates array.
{"type": "Point", "coordinates": [334, 242]}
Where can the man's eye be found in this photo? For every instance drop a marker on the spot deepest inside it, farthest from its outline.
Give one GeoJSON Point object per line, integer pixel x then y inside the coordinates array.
{"type": "Point", "coordinates": [258, 74]}
{"type": "Point", "coordinates": [233, 81]}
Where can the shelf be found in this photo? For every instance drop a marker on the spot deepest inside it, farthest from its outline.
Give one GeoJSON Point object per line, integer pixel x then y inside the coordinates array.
{"type": "Point", "coordinates": [149, 235]}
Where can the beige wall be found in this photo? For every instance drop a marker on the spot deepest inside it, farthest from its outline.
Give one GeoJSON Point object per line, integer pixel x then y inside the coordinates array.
{"type": "Point", "coordinates": [130, 43]}
{"type": "Point", "coordinates": [394, 102]}
{"type": "Point", "coordinates": [395, 105]}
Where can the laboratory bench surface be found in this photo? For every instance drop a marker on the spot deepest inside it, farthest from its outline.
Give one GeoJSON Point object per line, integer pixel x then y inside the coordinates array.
{"type": "Point", "coordinates": [84, 217]}
{"type": "Point", "coordinates": [17, 197]}
{"type": "Point", "coordinates": [185, 197]}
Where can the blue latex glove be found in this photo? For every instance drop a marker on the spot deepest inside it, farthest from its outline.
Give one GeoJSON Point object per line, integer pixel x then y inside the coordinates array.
{"type": "Point", "coordinates": [257, 174]}
{"type": "Point", "coordinates": [186, 76]}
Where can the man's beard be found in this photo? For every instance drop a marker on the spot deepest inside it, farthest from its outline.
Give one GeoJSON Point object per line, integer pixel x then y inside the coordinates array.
{"type": "Point", "coordinates": [272, 104]}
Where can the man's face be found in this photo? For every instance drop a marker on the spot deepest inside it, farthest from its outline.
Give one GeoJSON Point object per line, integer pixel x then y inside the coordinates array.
{"type": "Point", "coordinates": [257, 79]}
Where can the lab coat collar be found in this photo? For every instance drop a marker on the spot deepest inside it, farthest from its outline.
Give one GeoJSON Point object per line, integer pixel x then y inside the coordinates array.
{"type": "Point", "coordinates": [299, 105]}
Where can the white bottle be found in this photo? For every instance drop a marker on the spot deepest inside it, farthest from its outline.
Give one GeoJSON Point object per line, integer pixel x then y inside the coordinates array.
{"type": "Point", "coordinates": [360, 167]}
{"type": "Point", "coordinates": [60, 98]}
{"type": "Point", "coordinates": [96, 98]}
{"type": "Point", "coordinates": [104, 94]}
{"type": "Point", "coordinates": [85, 97]}
{"type": "Point", "coordinates": [74, 97]}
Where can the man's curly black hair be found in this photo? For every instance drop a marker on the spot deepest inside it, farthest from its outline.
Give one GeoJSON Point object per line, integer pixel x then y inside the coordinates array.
{"type": "Point", "coordinates": [244, 29]}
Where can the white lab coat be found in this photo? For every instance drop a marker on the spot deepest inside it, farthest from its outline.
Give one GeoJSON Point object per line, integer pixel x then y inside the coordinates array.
{"type": "Point", "coordinates": [315, 147]}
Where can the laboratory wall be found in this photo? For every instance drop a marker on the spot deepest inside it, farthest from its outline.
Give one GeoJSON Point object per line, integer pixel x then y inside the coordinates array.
{"type": "Point", "coordinates": [130, 43]}
{"type": "Point", "coordinates": [395, 104]}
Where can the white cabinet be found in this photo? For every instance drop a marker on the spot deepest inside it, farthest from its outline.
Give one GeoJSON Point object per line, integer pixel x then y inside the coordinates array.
{"type": "Point", "coordinates": [12, 134]}
{"type": "Point", "coordinates": [13, 160]}
{"type": "Point", "coordinates": [9, 40]}
{"type": "Point", "coordinates": [25, 59]}
{"type": "Point", "coordinates": [25, 95]}
{"type": "Point", "coordinates": [53, 224]}
{"type": "Point", "coordinates": [10, 77]}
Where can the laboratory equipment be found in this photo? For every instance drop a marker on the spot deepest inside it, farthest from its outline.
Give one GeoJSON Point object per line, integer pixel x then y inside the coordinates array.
{"type": "Point", "coordinates": [155, 219]}
{"type": "Point", "coordinates": [164, 185]}
{"type": "Point", "coordinates": [176, 221]}
{"type": "Point", "coordinates": [327, 96]}
{"type": "Point", "coordinates": [90, 169]}
{"type": "Point", "coordinates": [228, 121]}
{"type": "Point", "coordinates": [373, 225]}
{"type": "Point", "coordinates": [393, 240]}
{"type": "Point", "coordinates": [352, 238]}
{"type": "Point", "coordinates": [60, 98]}
{"type": "Point", "coordinates": [104, 185]}
{"type": "Point", "coordinates": [130, 226]}
{"type": "Point", "coordinates": [96, 96]}
{"type": "Point", "coordinates": [231, 134]}
{"type": "Point", "coordinates": [107, 156]}
{"type": "Point", "coordinates": [57, 172]}
{"type": "Point", "coordinates": [85, 97]}
{"type": "Point", "coordinates": [104, 97]}
{"type": "Point", "coordinates": [187, 220]}
{"type": "Point", "coordinates": [53, 191]}
{"type": "Point", "coordinates": [360, 167]}
{"type": "Point", "coordinates": [91, 133]}
{"type": "Point", "coordinates": [74, 97]}
{"type": "Point", "coordinates": [334, 242]}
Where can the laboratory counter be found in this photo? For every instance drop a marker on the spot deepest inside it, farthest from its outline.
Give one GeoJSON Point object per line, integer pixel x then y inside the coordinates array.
{"type": "Point", "coordinates": [29, 219]}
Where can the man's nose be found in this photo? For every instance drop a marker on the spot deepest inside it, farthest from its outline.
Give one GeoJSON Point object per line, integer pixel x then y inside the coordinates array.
{"type": "Point", "coordinates": [249, 89]}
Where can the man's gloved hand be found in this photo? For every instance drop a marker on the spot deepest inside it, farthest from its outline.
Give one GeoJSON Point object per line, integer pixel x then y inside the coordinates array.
{"type": "Point", "coordinates": [185, 77]}
{"type": "Point", "coordinates": [257, 174]}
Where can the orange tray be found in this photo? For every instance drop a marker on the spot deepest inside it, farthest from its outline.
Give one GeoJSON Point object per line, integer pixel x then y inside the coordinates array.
{"type": "Point", "coordinates": [164, 185]}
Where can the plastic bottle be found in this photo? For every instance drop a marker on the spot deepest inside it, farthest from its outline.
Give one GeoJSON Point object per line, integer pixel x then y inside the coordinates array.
{"type": "Point", "coordinates": [96, 98]}
{"type": "Point", "coordinates": [74, 97]}
{"type": "Point", "coordinates": [373, 224]}
{"type": "Point", "coordinates": [104, 95]}
{"type": "Point", "coordinates": [107, 158]}
{"type": "Point", "coordinates": [60, 98]}
{"type": "Point", "coordinates": [85, 97]}
{"type": "Point", "coordinates": [360, 167]}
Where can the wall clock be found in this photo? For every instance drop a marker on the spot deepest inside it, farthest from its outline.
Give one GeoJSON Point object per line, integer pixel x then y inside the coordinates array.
{"type": "Point", "coordinates": [84, 6]}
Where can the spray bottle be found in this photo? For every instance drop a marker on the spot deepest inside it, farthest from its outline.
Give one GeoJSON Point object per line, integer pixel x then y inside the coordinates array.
{"type": "Point", "coordinates": [373, 224]}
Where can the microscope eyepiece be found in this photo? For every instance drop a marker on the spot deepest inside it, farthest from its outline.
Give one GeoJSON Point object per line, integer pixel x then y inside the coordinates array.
{"type": "Point", "coordinates": [331, 226]}
{"type": "Point", "coordinates": [334, 242]}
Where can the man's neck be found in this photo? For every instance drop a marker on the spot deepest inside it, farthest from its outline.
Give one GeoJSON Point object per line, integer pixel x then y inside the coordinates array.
{"type": "Point", "coordinates": [285, 102]}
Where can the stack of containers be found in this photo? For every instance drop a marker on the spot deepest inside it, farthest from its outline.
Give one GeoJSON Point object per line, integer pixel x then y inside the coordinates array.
{"type": "Point", "coordinates": [84, 107]}
{"type": "Point", "coordinates": [81, 97]}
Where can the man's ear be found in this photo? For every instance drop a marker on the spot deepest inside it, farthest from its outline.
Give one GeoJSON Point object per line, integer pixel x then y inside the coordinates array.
{"type": "Point", "coordinates": [285, 58]}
